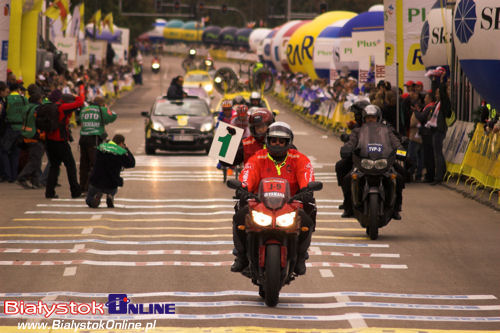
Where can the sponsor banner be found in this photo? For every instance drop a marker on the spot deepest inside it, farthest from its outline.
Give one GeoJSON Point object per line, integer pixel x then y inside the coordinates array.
{"type": "Point", "coordinates": [68, 46]}
{"type": "Point", "coordinates": [4, 37]}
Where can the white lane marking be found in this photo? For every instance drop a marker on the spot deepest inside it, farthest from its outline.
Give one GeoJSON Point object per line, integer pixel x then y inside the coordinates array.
{"type": "Point", "coordinates": [110, 212]}
{"type": "Point", "coordinates": [326, 273]}
{"type": "Point", "coordinates": [324, 136]}
{"type": "Point", "coordinates": [274, 317]}
{"type": "Point", "coordinates": [355, 322]}
{"type": "Point", "coordinates": [70, 271]}
{"type": "Point", "coordinates": [184, 200]}
{"type": "Point", "coordinates": [78, 247]}
{"type": "Point", "coordinates": [94, 217]}
{"type": "Point", "coordinates": [180, 263]}
{"type": "Point", "coordinates": [122, 131]}
{"type": "Point", "coordinates": [196, 179]}
{"type": "Point", "coordinates": [97, 217]}
{"type": "Point", "coordinates": [336, 305]}
{"type": "Point", "coordinates": [87, 231]}
{"type": "Point", "coordinates": [223, 293]}
{"type": "Point", "coordinates": [80, 250]}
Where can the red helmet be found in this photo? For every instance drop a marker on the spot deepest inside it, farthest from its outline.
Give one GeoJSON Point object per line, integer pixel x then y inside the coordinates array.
{"type": "Point", "coordinates": [257, 117]}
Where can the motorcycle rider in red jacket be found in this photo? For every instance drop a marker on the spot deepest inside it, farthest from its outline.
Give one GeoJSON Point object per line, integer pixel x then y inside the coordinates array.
{"type": "Point", "coordinates": [279, 160]}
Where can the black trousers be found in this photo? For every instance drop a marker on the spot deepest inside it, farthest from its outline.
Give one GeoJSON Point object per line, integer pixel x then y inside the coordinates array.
{"type": "Point", "coordinates": [60, 152]}
{"type": "Point", "coordinates": [429, 165]}
{"type": "Point", "coordinates": [88, 146]}
{"type": "Point", "coordinates": [33, 169]}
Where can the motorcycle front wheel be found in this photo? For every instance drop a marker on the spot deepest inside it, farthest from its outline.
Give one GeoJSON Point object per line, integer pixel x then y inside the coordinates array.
{"type": "Point", "coordinates": [272, 283]}
{"type": "Point", "coordinates": [373, 210]}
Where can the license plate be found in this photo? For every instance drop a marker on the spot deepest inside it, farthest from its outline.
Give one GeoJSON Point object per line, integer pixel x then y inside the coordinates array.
{"type": "Point", "coordinates": [183, 138]}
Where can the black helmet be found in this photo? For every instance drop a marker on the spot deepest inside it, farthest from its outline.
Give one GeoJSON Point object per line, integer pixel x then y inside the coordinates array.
{"type": "Point", "coordinates": [357, 108]}
{"type": "Point", "coordinates": [280, 130]}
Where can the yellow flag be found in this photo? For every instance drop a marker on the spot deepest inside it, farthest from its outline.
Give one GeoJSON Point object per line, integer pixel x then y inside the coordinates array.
{"type": "Point", "coordinates": [96, 19]}
{"type": "Point", "coordinates": [82, 15]}
{"type": "Point", "coordinates": [108, 21]}
{"type": "Point", "coordinates": [58, 9]}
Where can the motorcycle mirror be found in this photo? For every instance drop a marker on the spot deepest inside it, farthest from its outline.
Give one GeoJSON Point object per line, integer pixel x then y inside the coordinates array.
{"type": "Point", "coordinates": [145, 113]}
{"type": "Point", "coordinates": [315, 186]}
{"type": "Point", "coordinates": [344, 137]}
{"type": "Point", "coordinates": [234, 184]}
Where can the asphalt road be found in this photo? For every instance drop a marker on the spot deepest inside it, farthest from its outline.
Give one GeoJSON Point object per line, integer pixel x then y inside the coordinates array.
{"type": "Point", "coordinates": [169, 241]}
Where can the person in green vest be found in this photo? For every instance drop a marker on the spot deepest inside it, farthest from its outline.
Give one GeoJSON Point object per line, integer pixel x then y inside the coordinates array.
{"type": "Point", "coordinates": [14, 114]}
{"type": "Point", "coordinates": [111, 158]}
{"type": "Point", "coordinates": [34, 142]}
{"type": "Point", "coordinates": [93, 119]}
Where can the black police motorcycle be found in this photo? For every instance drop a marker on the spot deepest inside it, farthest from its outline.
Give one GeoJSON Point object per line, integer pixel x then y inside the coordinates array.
{"type": "Point", "coordinates": [373, 180]}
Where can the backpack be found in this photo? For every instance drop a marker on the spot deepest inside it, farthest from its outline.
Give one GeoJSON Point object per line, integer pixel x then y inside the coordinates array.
{"type": "Point", "coordinates": [47, 119]}
{"type": "Point", "coordinates": [29, 129]}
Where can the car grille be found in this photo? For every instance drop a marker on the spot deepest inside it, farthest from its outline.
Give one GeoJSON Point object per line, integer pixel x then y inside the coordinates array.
{"type": "Point", "coordinates": [183, 131]}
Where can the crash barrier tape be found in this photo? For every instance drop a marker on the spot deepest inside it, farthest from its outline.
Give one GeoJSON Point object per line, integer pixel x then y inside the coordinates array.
{"type": "Point", "coordinates": [327, 113]}
{"type": "Point", "coordinates": [476, 158]}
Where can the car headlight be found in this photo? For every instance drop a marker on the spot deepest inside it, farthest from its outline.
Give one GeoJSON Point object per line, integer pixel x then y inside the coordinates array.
{"type": "Point", "coordinates": [285, 220]}
{"type": "Point", "coordinates": [207, 127]}
{"type": "Point", "coordinates": [367, 164]}
{"type": "Point", "coordinates": [158, 127]}
{"type": "Point", "coordinates": [261, 219]}
{"type": "Point", "coordinates": [381, 164]}
{"type": "Point", "coordinates": [208, 87]}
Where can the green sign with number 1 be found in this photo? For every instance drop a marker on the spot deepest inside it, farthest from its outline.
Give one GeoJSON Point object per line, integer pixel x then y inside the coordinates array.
{"type": "Point", "coordinates": [225, 144]}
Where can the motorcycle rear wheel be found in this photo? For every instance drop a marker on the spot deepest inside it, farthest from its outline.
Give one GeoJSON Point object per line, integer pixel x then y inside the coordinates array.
{"type": "Point", "coordinates": [272, 275]}
{"type": "Point", "coordinates": [373, 209]}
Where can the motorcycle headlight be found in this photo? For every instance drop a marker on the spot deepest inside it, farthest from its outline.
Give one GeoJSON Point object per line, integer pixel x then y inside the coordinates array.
{"type": "Point", "coordinates": [206, 127]}
{"type": "Point", "coordinates": [285, 220]}
{"type": "Point", "coordinates": [367, 164]}
{"type": "Point", "coordinates": [155, 65]}
{"type": "Point", "coordinates": [261, 219]}
{"type": "Point", "coordinates": [381, 164]}
{"type": "Point", "coordinates": [208, 87]}
{"type": "Point", "coordinates": [158, 127]}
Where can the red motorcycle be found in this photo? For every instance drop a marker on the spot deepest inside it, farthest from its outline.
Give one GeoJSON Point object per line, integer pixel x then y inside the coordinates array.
{"type": "Point", "coordinates": [273, 225]}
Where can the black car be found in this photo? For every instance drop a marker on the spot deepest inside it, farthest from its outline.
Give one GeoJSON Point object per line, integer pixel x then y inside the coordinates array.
{"type": "Point", "coordinates": [185, 124]}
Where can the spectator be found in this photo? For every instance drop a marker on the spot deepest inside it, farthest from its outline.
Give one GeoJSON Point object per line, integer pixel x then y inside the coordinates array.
{"type": "Point", "coordinates": [9, 147]}
{"type": "Point", "coordinates": [438, 126]}
{"type": "Point", "coordinates": [58, 148]}
{"type": "Point", "coordinates": [33, 140]}
{"type": "Point", "coordinates": [93, 119]}
{"type": "Point", "coordinates": [111, 157]}
{"type": "Point", "coordinates": [426, 135]}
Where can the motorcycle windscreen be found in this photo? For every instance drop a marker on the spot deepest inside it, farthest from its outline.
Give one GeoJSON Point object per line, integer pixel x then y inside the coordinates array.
{"type": "Point", "coordinates": [274, 192]}
{"type": "Point", "coordinates": [374, 141]}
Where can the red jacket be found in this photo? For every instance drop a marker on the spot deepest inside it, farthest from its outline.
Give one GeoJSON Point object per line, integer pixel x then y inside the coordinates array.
{"type": "Point", "coordinates": [65, 110]}
{"type": "Point", "coordinates": [296, 168]}
{"type": "Point", "coordinates": [250, 147]}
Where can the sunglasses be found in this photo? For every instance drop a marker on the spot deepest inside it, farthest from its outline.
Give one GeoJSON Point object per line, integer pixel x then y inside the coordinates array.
{"type": "Point", "coordinates": [281, 141]}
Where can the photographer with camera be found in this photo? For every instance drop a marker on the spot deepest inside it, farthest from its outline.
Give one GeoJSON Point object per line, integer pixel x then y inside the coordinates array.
{"type": "Point", "coordinates": [93, 118]}
{"type": "Point", "coordinates": [111, 158]}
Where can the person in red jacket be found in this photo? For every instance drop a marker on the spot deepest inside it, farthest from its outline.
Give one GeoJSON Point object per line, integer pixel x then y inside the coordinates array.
{"type": "Point", "coordinates": [58, 148]}
{"type": "Point", "coordinates": [278, 159]}
{"type": "Point", "coordinates": [258, 123]}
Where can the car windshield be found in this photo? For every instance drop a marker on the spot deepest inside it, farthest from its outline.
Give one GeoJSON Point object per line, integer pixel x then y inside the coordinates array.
{"type": "Point", "coordinates": [194, 107]}
{"type": "Point", "coordinates": [197, 78]}
{"type": "Point", "coordinates": [200, 92]}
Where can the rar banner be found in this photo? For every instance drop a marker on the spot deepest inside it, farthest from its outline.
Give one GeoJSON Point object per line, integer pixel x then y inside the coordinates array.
{"type": "Point", "coordinates": [226, 142]}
